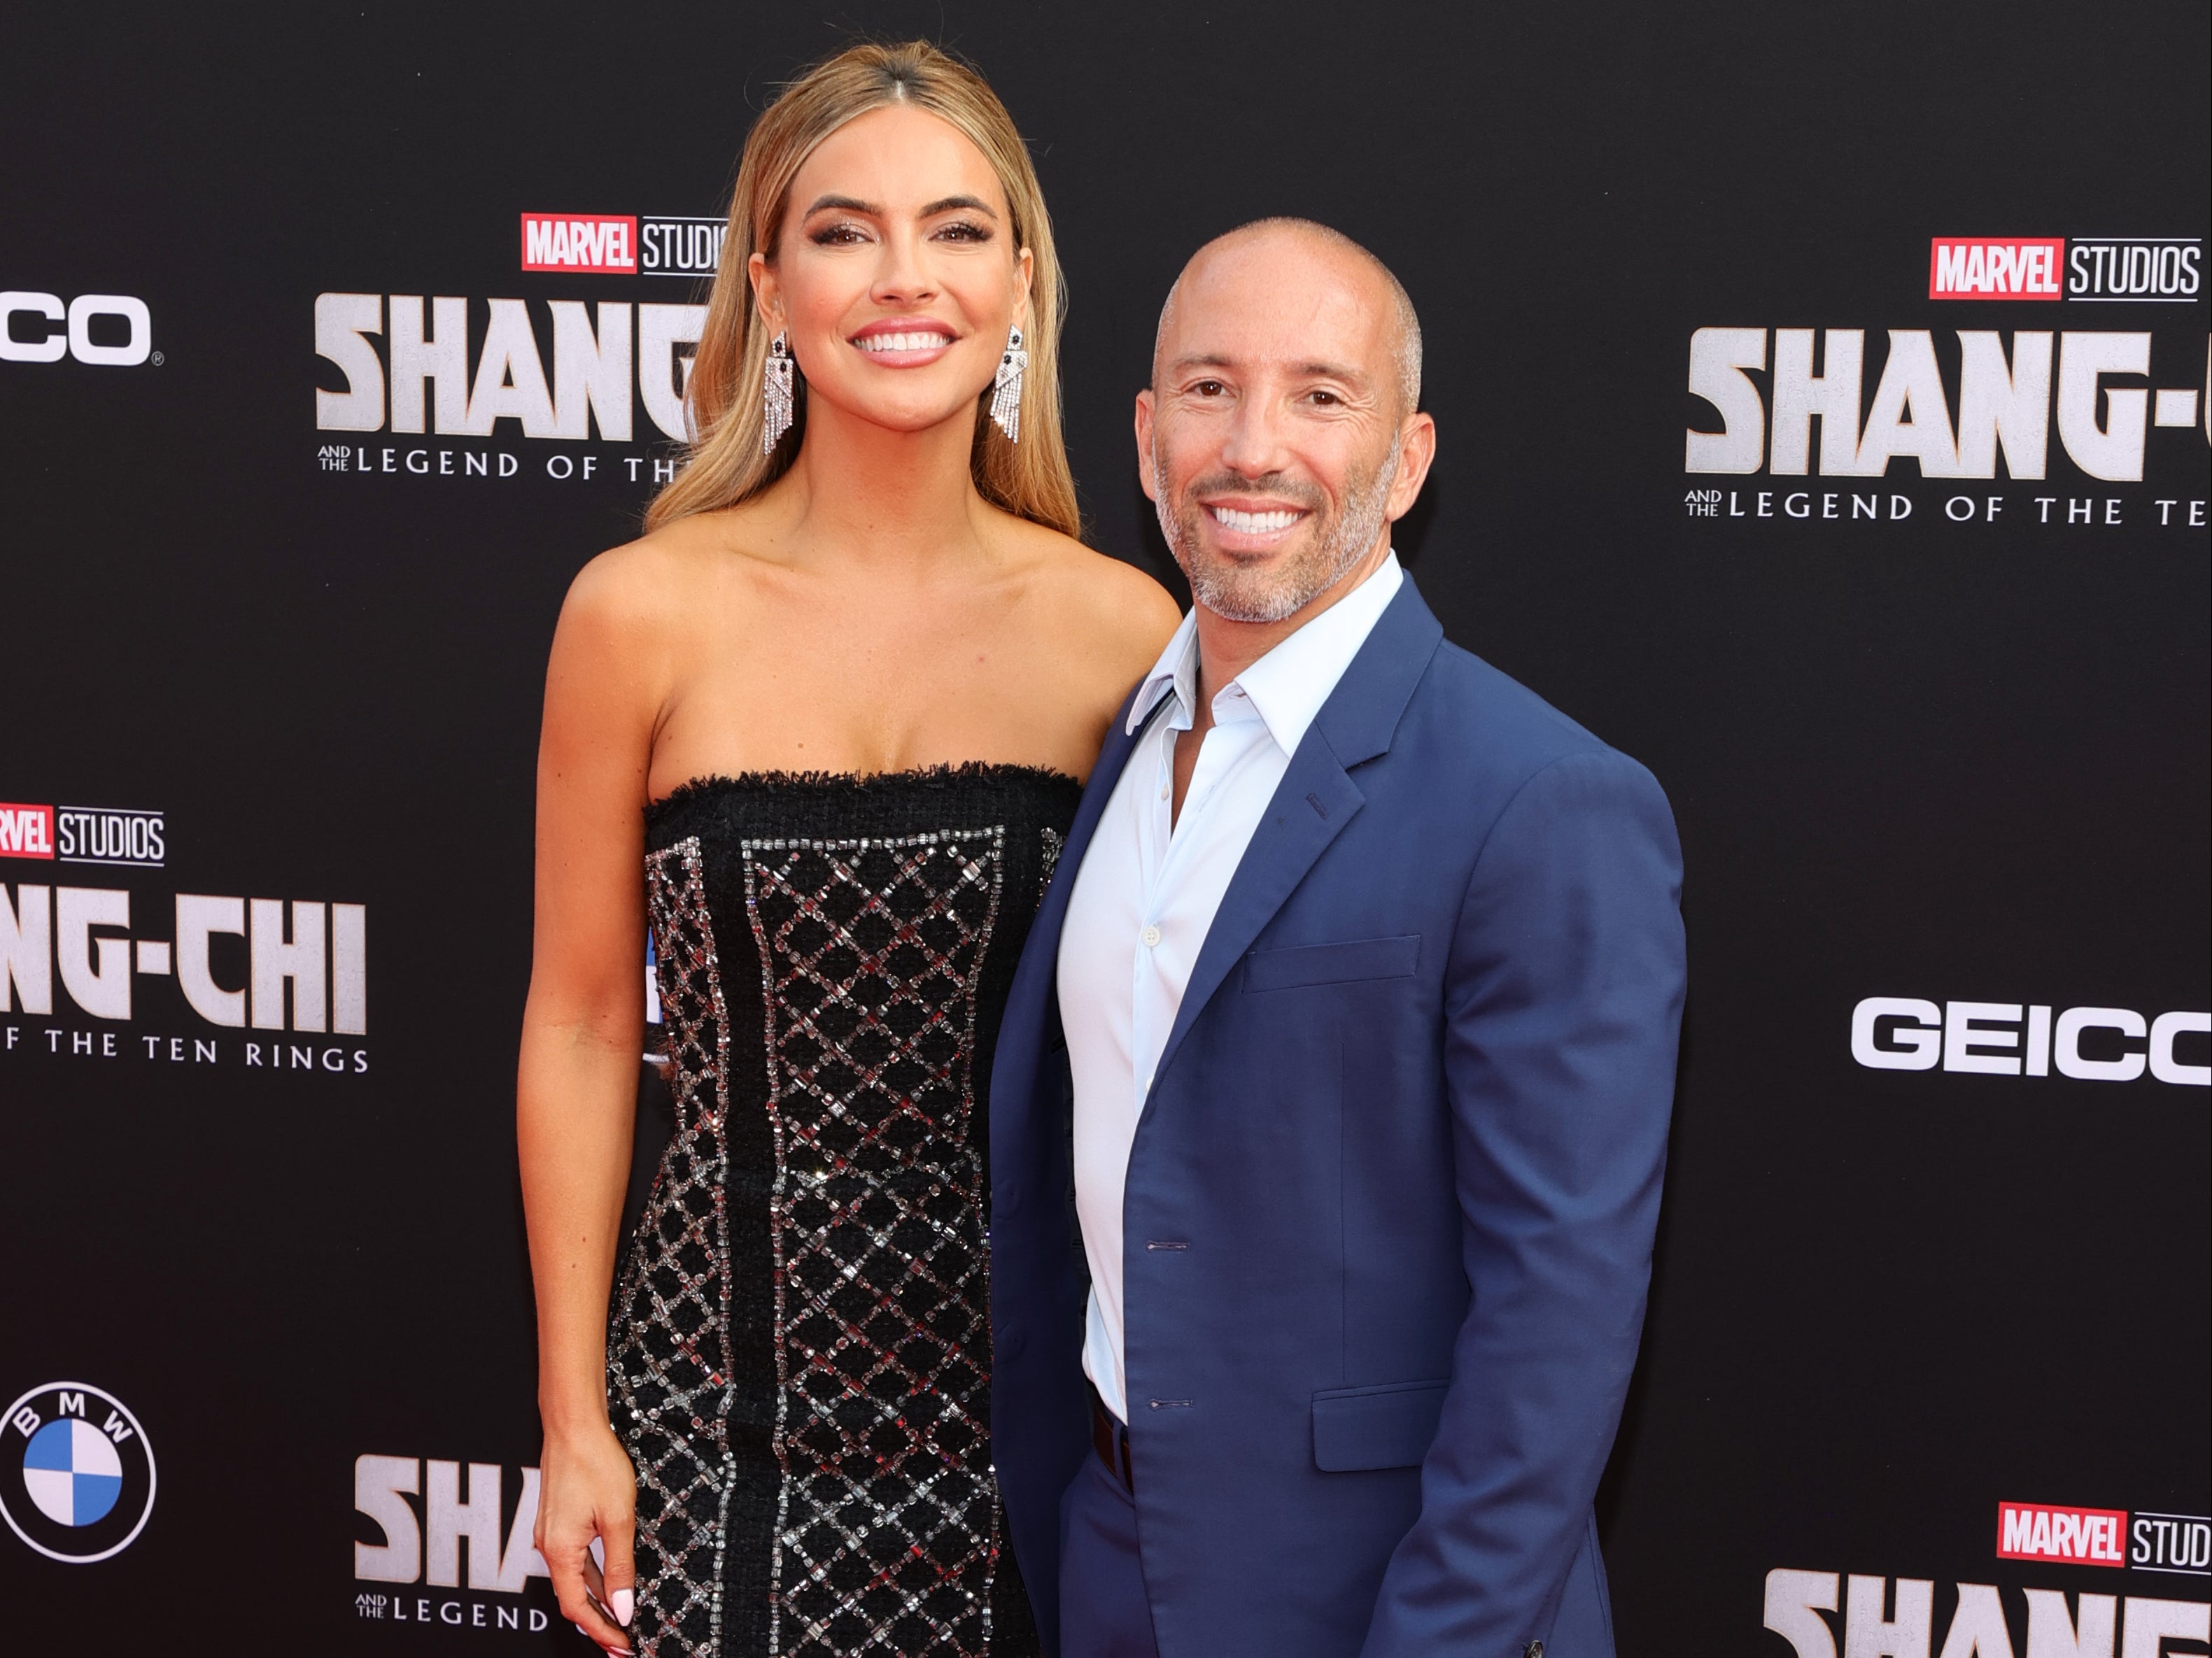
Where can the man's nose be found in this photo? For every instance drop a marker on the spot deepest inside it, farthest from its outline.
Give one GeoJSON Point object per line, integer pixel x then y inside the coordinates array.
{"type": "Point", "coordinates": [1252, 447]}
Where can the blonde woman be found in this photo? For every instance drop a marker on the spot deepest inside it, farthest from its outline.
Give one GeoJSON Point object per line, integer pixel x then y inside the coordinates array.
{"type": "Point", "coordinates": [822, 730]}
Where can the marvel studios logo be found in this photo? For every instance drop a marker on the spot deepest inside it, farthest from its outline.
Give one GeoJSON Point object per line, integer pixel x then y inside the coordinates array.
{"type": "Point", "coordinates": [83, 835]}
{"type": "Point", "coordinates": [2117, 270]}
{"type": "Point", "coordinates": [2177, 1543]}
{"type": "Point", "coordinates": [622, 245]}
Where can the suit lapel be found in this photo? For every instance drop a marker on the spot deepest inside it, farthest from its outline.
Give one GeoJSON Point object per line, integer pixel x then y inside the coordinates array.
{"type": "Point", "coordinates": [1316, 798]}
{"type": "Point", "coordinates": [1311, 806]}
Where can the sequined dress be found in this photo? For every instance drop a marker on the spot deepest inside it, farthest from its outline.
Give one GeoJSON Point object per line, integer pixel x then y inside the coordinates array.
{"type": "Point", "coordinates": [798, 1356]}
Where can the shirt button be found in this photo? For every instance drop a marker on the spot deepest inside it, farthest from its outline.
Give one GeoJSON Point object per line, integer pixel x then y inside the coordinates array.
{"type": "Point", "coordinates": [1163, 791]}
{"type": "Point", "coordinates": [1151, 936]}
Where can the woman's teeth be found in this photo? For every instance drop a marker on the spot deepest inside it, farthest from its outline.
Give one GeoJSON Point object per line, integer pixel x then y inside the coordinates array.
{"type": "Point", "coordinates": [1253, 523]}
{"type": "Point", "coordinates": [903, 342]}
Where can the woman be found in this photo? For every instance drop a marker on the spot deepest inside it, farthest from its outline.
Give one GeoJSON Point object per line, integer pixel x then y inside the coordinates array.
{"type": "Point", "coordinates": [821, 728]}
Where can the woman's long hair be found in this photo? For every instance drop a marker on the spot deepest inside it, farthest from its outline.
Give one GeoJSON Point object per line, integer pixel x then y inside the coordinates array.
{"type": "Point", "coordinates": [725, 465]}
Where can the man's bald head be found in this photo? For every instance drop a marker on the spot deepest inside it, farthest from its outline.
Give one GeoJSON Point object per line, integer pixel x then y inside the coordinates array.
{"type": "Point", "coordinates": [1309, 238]}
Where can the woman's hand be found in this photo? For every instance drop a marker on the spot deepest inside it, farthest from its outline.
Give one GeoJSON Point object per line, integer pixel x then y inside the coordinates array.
{"type": "Point", "coordinates": [587, 1492]}
{"type": "Point", "coordinates": [583, 1028]}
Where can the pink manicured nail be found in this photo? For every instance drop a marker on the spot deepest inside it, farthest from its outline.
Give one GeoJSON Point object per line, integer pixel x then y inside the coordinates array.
{"type": "Point", "coordinates": [625, 1601]}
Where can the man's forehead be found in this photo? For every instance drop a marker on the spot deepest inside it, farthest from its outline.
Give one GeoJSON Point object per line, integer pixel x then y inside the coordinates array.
{"type": "Point", "coordinates": [1252, 305]}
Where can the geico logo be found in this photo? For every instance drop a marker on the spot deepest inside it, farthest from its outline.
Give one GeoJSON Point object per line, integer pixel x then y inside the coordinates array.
{"type": "Point", "coordinates": [39, 344]}
{"type": "Point", "coordinates": [2007, 1039]}
{"type": "Point", "coordinates": [2002, 401]}
{"type": "Point", "coordinates": [320, 953]}
{"type": "Point", "coordinates": [1898, 1616]}
{"type": "Point", "coordinates": [430, 1548]}
{"type": "Point", "coordinates": [592, 366]}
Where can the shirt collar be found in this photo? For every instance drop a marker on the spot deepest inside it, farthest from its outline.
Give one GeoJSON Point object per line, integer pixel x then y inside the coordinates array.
{"type": "Point", "coordinates": [1174, 674]}
{"type": "Point", "coordinates": [1288, 685]}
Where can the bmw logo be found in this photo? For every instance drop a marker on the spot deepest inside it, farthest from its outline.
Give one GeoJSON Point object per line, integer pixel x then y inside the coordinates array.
{"type": "Point", "coordinates": [77, 1475]}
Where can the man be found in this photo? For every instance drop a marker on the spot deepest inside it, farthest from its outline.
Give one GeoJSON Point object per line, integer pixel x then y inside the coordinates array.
{"type": "Point", "coordinates": [1349, 1020]}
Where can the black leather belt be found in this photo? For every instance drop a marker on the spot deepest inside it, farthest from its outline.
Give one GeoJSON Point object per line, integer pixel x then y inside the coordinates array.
{"type": "Point", "coordinates": [1110, 1439]}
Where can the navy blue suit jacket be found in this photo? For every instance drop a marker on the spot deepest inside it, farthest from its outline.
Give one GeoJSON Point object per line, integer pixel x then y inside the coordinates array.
{"type": "Point", "coordinates": [1390, 1204]}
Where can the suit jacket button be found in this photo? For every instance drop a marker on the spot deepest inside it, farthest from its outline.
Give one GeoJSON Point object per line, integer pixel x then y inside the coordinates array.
{"type": "Point", "coordinates": [1533, 1650]}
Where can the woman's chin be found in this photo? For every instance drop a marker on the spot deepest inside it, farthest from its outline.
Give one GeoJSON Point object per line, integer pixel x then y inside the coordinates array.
{"type": "Point", "coordinates": [911, 416]}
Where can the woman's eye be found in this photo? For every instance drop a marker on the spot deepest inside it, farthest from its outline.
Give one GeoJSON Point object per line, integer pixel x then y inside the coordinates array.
{"type": "Point", "coordinates": [831, 236]}
{"type": "Point", "coordinates": [963, 231]}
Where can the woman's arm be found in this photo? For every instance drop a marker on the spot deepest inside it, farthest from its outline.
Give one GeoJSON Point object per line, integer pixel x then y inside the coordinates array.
{"type": "Point", "coordinates": [576, 1093]}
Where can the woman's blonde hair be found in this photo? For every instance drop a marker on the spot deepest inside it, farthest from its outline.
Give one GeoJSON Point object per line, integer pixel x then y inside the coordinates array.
{"type": "Point", "coordinates": [725, 464]}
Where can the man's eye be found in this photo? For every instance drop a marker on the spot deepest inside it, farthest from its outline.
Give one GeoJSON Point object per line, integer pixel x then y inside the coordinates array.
{"type": "Point", "coordinates": [1326, 399]}
{"type": "Point", "coordinates": [1209, 389]}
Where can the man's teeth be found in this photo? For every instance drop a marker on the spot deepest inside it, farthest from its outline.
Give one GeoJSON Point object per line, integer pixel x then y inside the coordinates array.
{"type": "Point", "coordinates": [1254, 524]}
{"type": "Point", "coordinates": [902, 341]}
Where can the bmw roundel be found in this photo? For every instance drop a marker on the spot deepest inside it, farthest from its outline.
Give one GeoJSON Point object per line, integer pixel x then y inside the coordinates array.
{"type": "Point", "coordinates": [77, 1475]}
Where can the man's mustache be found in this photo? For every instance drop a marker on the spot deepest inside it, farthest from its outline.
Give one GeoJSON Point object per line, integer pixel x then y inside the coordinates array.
{"type": "Point", "coordinates": [1273, 486]}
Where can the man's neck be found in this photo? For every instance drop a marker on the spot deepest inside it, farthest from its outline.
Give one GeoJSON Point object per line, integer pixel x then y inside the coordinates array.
{"type": "Point", "coordinates": [1226, 648]}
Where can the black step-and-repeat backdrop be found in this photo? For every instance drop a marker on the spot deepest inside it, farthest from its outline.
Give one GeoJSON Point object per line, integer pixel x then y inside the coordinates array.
{"type": "Point", "coordinates": [1823, 394]}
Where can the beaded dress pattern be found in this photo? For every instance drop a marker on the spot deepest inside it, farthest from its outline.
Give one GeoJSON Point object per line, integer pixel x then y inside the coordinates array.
{"type": "Point", "coordinates": [800, 1357]}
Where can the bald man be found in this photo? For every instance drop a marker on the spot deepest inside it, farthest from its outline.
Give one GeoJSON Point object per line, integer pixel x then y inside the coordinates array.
{"type": "Point", "coordinates": [1331, 1104]}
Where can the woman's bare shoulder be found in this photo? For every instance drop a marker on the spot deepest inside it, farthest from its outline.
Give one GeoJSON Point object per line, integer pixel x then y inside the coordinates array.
{"type": "Point", "coordinates": [1108, 610]}
{"type": "Point", "coordinates": [649, 588]}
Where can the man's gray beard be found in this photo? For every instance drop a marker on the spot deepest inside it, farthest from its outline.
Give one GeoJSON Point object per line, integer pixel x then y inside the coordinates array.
{"type": "Point", "coordinates": [1237, 595]}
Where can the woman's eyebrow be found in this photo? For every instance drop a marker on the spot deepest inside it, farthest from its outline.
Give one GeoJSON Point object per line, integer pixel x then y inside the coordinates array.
{"type": "Point", "coordinates": [846, 202]}
{"type": "Point", "coordinates": [954, 204]}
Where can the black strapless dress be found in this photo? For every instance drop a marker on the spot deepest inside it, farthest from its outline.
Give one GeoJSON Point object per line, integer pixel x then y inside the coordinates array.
{"type": "Point", "coordinates": [800, 1351]}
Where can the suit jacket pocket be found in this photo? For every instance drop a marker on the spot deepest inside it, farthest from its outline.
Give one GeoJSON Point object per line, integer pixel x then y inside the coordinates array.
{"type": "Point", "coordinates": [1329, 964]}
{"type": "Point", "coordinates": [1389, 1426]}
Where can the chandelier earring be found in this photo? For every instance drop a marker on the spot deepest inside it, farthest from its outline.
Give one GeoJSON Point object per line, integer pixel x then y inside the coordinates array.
{"type": "Point", "coordinates": [1006, 392]}
{"type": "Point", "coordinates": [776, 400]}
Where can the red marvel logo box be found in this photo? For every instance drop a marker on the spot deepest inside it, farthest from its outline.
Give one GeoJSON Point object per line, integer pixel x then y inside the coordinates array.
{"type": "Point", "coordinates": [26, 831]}
{"type": "Point", "coordinates": [1995, 267]}
{"type": "Point", "coordinates": [580, 241]}
{"type": "Point", "coordinates": [2080, 1537]}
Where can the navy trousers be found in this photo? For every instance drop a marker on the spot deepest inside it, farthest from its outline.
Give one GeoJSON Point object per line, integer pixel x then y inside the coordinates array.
{"type": "Point", "coordinates": [1104, 1610]}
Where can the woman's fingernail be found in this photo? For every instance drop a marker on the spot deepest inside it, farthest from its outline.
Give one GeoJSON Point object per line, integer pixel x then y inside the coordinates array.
{"type": "Point", "coordinates": [625, 1601]}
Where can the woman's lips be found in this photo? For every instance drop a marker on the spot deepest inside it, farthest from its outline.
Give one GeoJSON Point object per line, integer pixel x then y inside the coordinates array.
{"type": "Point", "coordinates": [903, 345]}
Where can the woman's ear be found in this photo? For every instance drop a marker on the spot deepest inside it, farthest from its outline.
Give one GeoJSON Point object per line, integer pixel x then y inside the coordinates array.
{"type": "Point", "coordinates": [1024, 273]}
{"type": "Point", "coordinates": [768, 299]}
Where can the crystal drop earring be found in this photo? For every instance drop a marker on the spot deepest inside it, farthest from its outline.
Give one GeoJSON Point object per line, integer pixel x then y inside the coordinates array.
{"type": "Point", "coordinates": [776, 393]}
{"type": "Point", "coordinates": [1007, 395]}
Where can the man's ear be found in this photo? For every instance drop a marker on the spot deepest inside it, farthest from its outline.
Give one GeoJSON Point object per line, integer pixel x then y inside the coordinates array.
{"type": "Point", "coordinates": [1417, 452]}
{"type": "Point", "coordinates": [1144, 479]}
